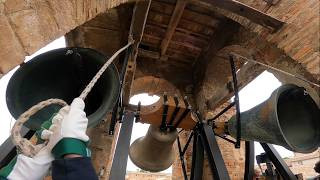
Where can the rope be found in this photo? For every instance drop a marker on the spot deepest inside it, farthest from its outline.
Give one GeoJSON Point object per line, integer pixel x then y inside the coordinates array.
{"type": "Point", "coordinates": [275, 69]}
{"type": "Point", "coordinates": [23, 145]}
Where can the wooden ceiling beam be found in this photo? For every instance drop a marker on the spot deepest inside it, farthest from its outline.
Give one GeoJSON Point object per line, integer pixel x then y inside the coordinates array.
{"type": "Point", "coordinates": [138, 22]}
{"type": "Point", "coordinates": [243, 10]}
{"type": "Point", "coordinates": [175, 18]}
{"type": "Point", "coordinates": [172, 55]}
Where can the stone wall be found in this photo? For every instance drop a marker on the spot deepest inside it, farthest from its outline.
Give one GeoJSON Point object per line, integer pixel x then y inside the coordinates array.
{"type": "Point", "coordinates": [298, 38]}
{"type": "Point", "coordinates": [147, 176]}
{"type": "Point", "coordinates": [26, 26]}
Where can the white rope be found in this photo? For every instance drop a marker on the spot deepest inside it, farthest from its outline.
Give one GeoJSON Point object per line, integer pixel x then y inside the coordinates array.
{"type": "Point", "coordinates": [275, 69]}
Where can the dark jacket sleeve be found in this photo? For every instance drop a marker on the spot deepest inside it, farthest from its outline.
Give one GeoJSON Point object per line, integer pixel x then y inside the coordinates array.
{"type": "Point", "coordinates": [73, 169]}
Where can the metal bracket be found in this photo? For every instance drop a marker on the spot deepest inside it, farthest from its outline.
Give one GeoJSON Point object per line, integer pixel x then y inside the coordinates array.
{"type": "Point", "coordinates": [184, 114]}
{"type": "Point", "coordinates": [115, 111]}
{"type": "Point", "coordinates": [175, 112]}
{"type": "Point", "coordinates": [163, 125]}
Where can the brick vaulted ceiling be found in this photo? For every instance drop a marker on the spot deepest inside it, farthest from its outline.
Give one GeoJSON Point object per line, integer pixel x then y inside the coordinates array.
{"type": "Point", "coordinates": [178, 38]}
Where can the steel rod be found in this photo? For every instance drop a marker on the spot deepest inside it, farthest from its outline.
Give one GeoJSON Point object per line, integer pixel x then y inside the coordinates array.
{"type": "Point", "coordinates": [119, 99]}
{"type": "Point", "coordinates": [275, 69]}
{"type": "Point", "coordinates": [182, 160]}
{"type": "Point", "coordinates": [236, 100]}
{"type": "Point", "coordinates": [187, 144]}
{"type": "Point", "coordinates": [222, 112]}
{"type": "Point", "coordinates": [227, 139]}
{"type": "Point", "coordinates": [278, 162]}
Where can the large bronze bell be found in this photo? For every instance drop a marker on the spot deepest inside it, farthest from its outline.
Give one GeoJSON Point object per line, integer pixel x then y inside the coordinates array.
{"type": "Point", "coordinates": [154, 152]}
{"type": "Point", "coordinates": [62, 73]}
{"type": "Point", "coordinates": [289, 118]}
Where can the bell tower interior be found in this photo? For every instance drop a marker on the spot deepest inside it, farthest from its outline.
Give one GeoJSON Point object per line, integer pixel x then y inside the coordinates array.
{"type": "Point", "coordinates": [195, 55]}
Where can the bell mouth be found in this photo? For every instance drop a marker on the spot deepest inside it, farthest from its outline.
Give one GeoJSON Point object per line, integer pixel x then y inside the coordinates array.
{"type": "Point", "coordinates": [298, 117]}
{"type": "Point", "coordinates": [62, 73]}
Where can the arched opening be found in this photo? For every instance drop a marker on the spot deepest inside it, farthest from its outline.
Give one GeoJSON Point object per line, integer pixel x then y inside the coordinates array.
{"type": "Point", "coordinates": [140, 129]}
{"type": "Point", "coordinates": [7, 120]}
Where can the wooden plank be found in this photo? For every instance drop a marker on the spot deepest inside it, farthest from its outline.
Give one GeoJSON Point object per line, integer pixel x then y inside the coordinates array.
{"type": "Point", "coordinates": [138, 22]}
{"type": "Point", "coordinates": [162, 20]}
{"type": "Point", "coordinates": [243, 10]}
{"type": "Point", "coordinates": [178, 46]}
{"type": "Point", "coordinates": [152, 114]}
{"type": "Point", "coordinates": [182, 57]}
{"type": "Point", "coordinates": [175, 18]}
{"type": "Point", "coordinates": [204, 19]}
{"type": "Point", "coordinates": [178, 37]}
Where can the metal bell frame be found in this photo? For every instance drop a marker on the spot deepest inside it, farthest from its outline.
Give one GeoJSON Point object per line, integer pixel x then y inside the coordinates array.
{"type": "Point", "coordinates": [203, 140]}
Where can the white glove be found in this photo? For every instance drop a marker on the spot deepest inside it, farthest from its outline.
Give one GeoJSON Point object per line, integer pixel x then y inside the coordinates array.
{"type": "Point", "coordinates": [35, 168]}
{"type": "Point", "coordinates": [69, 124]}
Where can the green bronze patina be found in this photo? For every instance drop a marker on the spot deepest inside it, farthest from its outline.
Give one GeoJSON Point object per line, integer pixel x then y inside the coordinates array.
{"type": "Point", "coordinates": [62, 73]}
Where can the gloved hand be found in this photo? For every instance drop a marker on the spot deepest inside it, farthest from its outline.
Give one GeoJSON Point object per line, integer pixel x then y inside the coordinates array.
{"type": "Point", "coordinates": [67, 134]}
{"type": "Point", "coordinates": [39, 164]}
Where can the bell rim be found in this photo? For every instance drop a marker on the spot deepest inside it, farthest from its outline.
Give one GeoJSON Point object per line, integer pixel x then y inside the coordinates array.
{"type": "Point", "coordinates": [11, 104]}
{"type": "Point", "coordinates": [292, 147]}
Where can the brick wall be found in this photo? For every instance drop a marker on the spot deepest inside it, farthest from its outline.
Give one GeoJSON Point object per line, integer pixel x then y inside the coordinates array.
{"type": "Point", "coordinates": [26, 26]}
{"type": "Point", "coordinates": [298, 38]}
{"type": "Point", "coordinates": [147, 176]}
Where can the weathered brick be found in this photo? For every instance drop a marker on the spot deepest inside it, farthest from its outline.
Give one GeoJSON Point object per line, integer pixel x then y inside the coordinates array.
{"type": "Point", "coordinates": [47, 21]}
{"type": "Point", "coordinates": [26, 25]}
{"type": "Point", "coordinates": [11, 52]}
{"type": "Point", "coordinates": [12, 6]}
{"type": "Point", "coordinates": [64, 14]}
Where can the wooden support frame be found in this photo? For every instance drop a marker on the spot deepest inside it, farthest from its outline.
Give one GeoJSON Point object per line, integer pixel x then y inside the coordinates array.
{"type": "Point", "coordinates": [138, 22]}
{"type": "Point", "coordinates": [243, 10]}
{"type": "Point", "coordinates": [175, 18]}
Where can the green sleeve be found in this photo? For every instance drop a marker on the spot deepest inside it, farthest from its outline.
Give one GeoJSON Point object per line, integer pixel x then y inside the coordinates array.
{"type": "Point", "coordinates": [5, 171]}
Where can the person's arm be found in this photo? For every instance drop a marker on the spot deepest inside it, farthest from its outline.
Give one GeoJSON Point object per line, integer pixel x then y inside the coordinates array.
{"type": "Point", "coordinates": [69, 142]}
{"type": "Point", "coordinates": [22, 167]}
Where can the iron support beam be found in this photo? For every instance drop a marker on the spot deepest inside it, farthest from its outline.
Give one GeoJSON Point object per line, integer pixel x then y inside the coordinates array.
{"type": "Point", "coordinates": [120, 158]}
{"type": "Point", "coordinates": [119, 100]}
{"type": "Point", "coordinates": [183, 166]}
{"type": "Point", "coordinates": [222, 112]}
{"type": "Point", "coordinates": [197, 158]}
{"type": "Point", "coordinates": [278, 162]}
{"type": "Point", "coordinates": [8, 150]}
{"type": "Point", "coordinates": [187, 144]}
{"type": "Point", "coordinates": [138, 22]}
{"type": "Point", "coordinates": [236, 100]}
{"type": "Point", "coordinates": [211, 147]}
{"type": "Point", "coordinates": [249, 161]}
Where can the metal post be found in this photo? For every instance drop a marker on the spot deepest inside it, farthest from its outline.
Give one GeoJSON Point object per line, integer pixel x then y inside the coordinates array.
{"type": "Point", "coordinates": [249, 161]}
{"type": "Point", "coordinates": [183, 166]}
{"type": "Point", "coordinates": [119, 99]}
{"type": "Point", "coordinates": [278, 162]}
{"type": "Point", "coordinates": [211, 147]}
{"type": "Point", "coordinates": [236, 100]}
{"type": "Point", "coordinates": [119, 163]}
{"type": "Point", "coordinates": [8, 150]}
{"type": "Point", "coordinates": [197, 158]}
